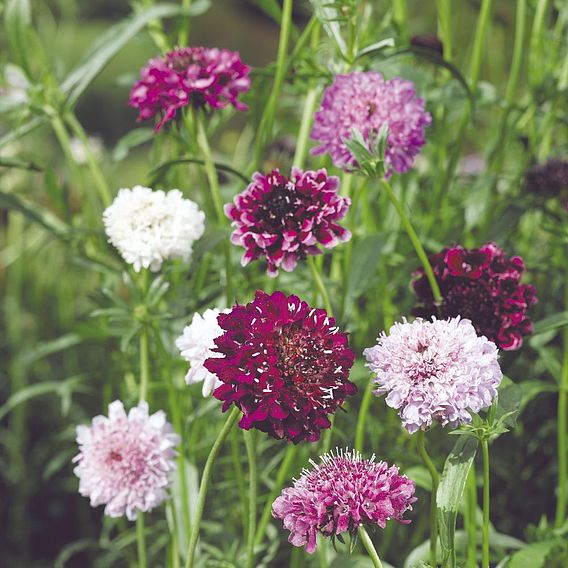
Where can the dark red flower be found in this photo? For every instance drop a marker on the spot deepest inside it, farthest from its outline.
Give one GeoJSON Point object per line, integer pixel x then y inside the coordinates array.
{"type": "Point", "coordinates": [284, 364]}
{"type": "Point", "coordinates": [481, 285]}
{"type": "Point", "coordinates": [284, 219]}
{"type": "Point", "coordinates": [197, 76]}
{"type": "Point", "coordinates": [549, 179]}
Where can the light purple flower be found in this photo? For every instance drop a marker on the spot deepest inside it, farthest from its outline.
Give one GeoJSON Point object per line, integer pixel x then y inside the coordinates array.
{"type": "Point", "coordinates": [124, 461]}
{"type": "Point", "coordinates": [340, 494]}
{"type": "Point", "coordinates": [437, 370]}
{"type": "Point", "coordinates": [366, 101]}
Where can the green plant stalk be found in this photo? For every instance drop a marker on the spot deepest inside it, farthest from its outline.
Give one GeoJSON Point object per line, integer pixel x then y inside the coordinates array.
{"type": "Point", "coordinates": [281, 477]}
{"type": "Point", "coordinates": [470, 520]}
{"type": "Point", "coordinates": [362, 418]}
{"type": "Point", "coordinates": [251, 456]}
{"type": "Point", "coordinates": [98, 176]}
{"type": "Point", "coordinates": [479, 42]}
{"type": "Point", "coordinates": [433, 508]}
{"type": "Point", "coordinates": [369, 547]}
{"type": "Point", "coordinates": [445, 27]}
{"type": "Point", "coordinates": [562, 431]}
{"type": "Point", "coordinates": [415, 242]}
{"type": "Point", "coordinates": [305, 126]}
{"type": "Point", "coordinates": [238, 469]}
{"type": "Point", "coordinates": [485, 528]}
{"type": "Point", "coordinates": [320, 285]}
{"type": "Point", "coordinates": [536, 59]}
{"type": "Point", "coordinates": [174, 534]}
{"type": "Point", "coordinates": [141, 541]}
{"type": "Point", "coordinates": [204, 486]}
{"type": "Point", "coordinates": [144, 364]}
{"type": "Point", "coordinates": [267, 120]}
{"type": "Point", "coordinates": [183, 34]}
{"type": "Point", "coordinates": [400, 16]}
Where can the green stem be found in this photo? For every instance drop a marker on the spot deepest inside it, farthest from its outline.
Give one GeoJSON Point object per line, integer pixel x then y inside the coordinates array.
{"type": "Point", "coordinates": [183, 34]}
{"type": "Point", "coordinates": [536, 59]}
{"type": "Point", "coordinates": [400, 17]}
{"type": "Point", "coordinates": [369, 547]}
{"type": "Point", "coordinates": [445, 27]}
{"type": "Point", "coordinates": [485, 528]}
{"type": "Point", "coordinates": [470, 520]}
{"type": "Point", "coordinates": [320, 285]}
{"type": "Point", "coordinates": [251, 455]}
{"type": "Point", "coordinates": [141, 540]}
{"type": "Point", "coordinates": [281, 477]}
{"type": "Point", "coordinates": [238, 471]}
{"type": "Point", "coordinates": [433, 509]}
{"type": "Point", "coordinates": [362, 418]}
{"type": "Point", "coordinates": [479, 42]}
{"type": "Point", "coordinates": [305, 126]}
{"type": "Point", "coordinates": [206, 479]}
{"type": "Point", "coordinates": [144, 364]}
{"type": "Point", "coordinates": [517, 61]}
{"type": "Point", "coordinates": [174, 535]}
{"type": "Point", "coordinates": [562, 431]}
{"type": "Point", "coordinates": [415, 242]}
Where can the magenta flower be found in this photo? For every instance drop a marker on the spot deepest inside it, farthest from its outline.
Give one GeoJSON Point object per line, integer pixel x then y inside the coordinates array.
{"type": "Point", "coordinates": [283, 364]}
{"type": "Point", "coordinates": [365, 101]}
{"type": "Point", "coordinates": [285, 219]}
{"type": "Point", "coordinates": [125, 461]}
{"type": "Point", "coordinates": [435, 371]}
{"type": "Point", "coordinates": [342, 493]}
{"type": "Point", "coordinates": [197, 76]}
{"type": "Point", "coordinates": [482, 285]}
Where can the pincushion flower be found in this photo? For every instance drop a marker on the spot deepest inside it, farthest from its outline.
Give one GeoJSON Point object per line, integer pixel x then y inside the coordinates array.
{"type": "Point", "coordinates": [340, 494]}
{"type": "Point", "coordinates": [549, 179]}
{"type": "Point", "coordinates": [195, 345]}
{"type": "Point", "coordinates": [482, 285]}
{"type": "Point", "coordinates": [148, 227]}
{"type": "Point", "coordinates": [125, 461]}
{"type": "Point", "coordinates": [366, 101]}
{"type": "Point", "coordinates": [284, 364]}
{"type": "Point", "coordinates": [198, 76]}
{"type": "Point", "coordinates": [435, 371]}
{"type": "Point", "coordinates": [285, 219]}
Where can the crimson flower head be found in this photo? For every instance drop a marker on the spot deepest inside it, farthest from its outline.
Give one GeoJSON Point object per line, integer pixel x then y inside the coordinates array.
{"type": "Point", "coordinates": [284, 364]}
{"type": "Point", "coordinates": [340, 494]}
{"type": "Point", "coordinates": [198, 76]}
{"type": "Point", "coordinates": [285, 219]}
{"type": "Point", "coordinates": [483, 286]}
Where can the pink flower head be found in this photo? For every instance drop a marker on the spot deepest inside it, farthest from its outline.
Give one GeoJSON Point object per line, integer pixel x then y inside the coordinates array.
{"type": "Point", "coordinates": [284, 365]}
{"type": "Point", "coordinates": [437, 370]}
{"type": "Point", "coordinates": [196, 76]}
{"type": "Point", "coordinates": [365, 101]}
{"type": "Point", "coordinates": [340, 494]}
{"type": "Point", "coordinates": [285, 219]}
{"type": "Point", "coordinates": [124, 461]}
{"type": "Point", "coordinates": [482, 285]}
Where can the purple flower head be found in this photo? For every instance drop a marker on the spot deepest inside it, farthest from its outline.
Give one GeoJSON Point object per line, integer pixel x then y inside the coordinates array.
{"type": "Point", "coordinates": [365, 101]}
{"type": "Point", "coordinates": [549, 179]}
{"type": "Point", "coordinates": [285, 219]}
{"type": "Point", "coordinates": [482, 285]}
{"type": "Point", "coordinates": [342, 493]}
{"type": "Point", "coordinates": [435, 371]}
{"type": "Point", "coordinates": [283, 364]}
{"type": "Point", "coordinates": [125, 461]}
{"type": "Point", "coordinates": [197, 76]}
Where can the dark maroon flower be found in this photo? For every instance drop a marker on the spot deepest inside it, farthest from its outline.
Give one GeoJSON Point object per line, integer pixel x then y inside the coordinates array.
{"type": "Point", "coordinates": [481, 285]}
{"type": "Point", "coordinates": [284, 364]}
{"type": "Point", "coordinates": [549, 179]}
{"type": "Point", "coordinates": [284, 219]}
{"type": "Point", "coordinates": [197, 76]}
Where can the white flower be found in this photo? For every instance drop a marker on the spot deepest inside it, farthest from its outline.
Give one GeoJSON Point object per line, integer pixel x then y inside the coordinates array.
{"type": "Point", "coordinates": [148, 227]}
{"type": "Point", "coordinates": [195, 345]}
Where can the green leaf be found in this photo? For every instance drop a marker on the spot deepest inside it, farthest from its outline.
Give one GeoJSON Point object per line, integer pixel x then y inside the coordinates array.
{"type": "Point", "coordinates": [21, 131]}
{"type": "Point", "coordinates": [364, 261]}
{"type": "Point", "coordinates": [375, 47]}
{"type": "Point", "coordinates": [551, 322]}
{"type": "Point", "coordinates": [6, 162]}
{"type": "Point", "coordinates": [450, 491]}
{"type": "Point", "coordinates": [533, 555]}
{"type": "Point", "coordinates": [329, 16]}
{"type": "Point", "coordinates": [270, 8]}
{"type": "Point", "coordinates": [17, 22]}
{"type": "Point", "coordinates": [134, 138]}
{"type": "Point", "coordinates": [420, 475]}
{"type": "Point", "coordinates": [157, 173]}
{"type": "Point", "coordinates": [45, 348]}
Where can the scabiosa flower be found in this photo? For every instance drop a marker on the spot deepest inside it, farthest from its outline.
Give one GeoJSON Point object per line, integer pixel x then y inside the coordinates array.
{"type": "Point", "coordinates": [482, 285]}
{"type": "Point", "coordinates": [283, 364]}
{"type": "Point", "coordinates": [437, 370]}
{"type": "Point", "coordinates": [195, 345]}
{"type": "Point", "coordinates": [285, 219]}
{"type": "Point", "coordinates": [148, 227]}
{"type": "Point", "coordinates": [340, 494]}
{"type": "Point", "coordinates": [124, 461]}
{"type": "Point", "coordinates": [549, 180]}
{"type": "Point", "coordinates": [365, 101]}
{"type": "Point", "coordinates": [198, 76]}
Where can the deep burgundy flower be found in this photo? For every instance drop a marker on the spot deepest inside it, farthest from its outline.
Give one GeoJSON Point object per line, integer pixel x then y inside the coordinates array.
{"type": "Point", "coordinates": [284, 219]}
{"type": "Point", "coordinates": [284, 364]}
{"type": "Point", "coordinates": [197, 76]}
{"type": "Point", "coordinates": [481, 285]}
{"type": "Point", "coordinates": [549, 179]}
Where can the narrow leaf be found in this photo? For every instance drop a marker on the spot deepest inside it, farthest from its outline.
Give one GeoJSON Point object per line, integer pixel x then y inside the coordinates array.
{"type": "Point", "coordinates": [533, 555]}
{"type": "Point", "coordinates": [551, 322]}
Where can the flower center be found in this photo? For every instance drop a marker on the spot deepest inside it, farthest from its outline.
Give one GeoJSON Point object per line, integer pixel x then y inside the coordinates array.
{"type": "Point", "coordinates": [278, 208]}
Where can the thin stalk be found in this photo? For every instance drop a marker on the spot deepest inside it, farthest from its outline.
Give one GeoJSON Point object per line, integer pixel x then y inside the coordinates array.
{"type": "Point", "coordinates": [183, 34]}
{"type": "Point", "coordinates": [144, 364]}
{"type": "Point", "coordinates": [433, 508]}
{"type": "Point", "coordinates": [362, 418]}
{"type": "Point", "coordinates": [415, 242]}
{"type": "Point", "coordinates": [205, 480]}
{"type": "Point", "coordinates": [400, 17]}
{"type": "Point", "coordinates": [141, 541]}
{"type": "Point", "coordinates": [174, 534]}
{"type": "Point", "coordinates": [281, 477]}
{"type": "Point", "coordinates": [238, 471]}
{"type": "Point", "coordinates": [369, 547]}
{"type": "Point", "coordinates": [251, 455]}
{"type": "Point", "coordinates": [320, 285]}
{"type": "Point", "coordinates": [536, 59]}
{"type": "Point", "coordinates": [305, 126]}
{"type": "Point", "coordinates": [470, 520]}
{"type": "Point", "coordinates": [445, 27]}
{"type": "Point", "coordinates": [562, 432]}
{"type": "Point", "coordinates": [485, 528]}
{"type": "Point", "coordinates": [517, 61]}
{"type": "Point", "coordinates": [479, 42]}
